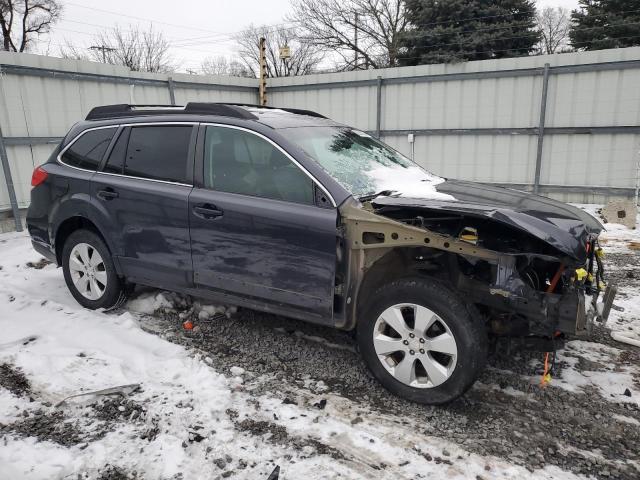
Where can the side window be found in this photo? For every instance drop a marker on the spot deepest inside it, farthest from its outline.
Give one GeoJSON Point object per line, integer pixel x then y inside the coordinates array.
{"type": "Point", "coordinates": [87, 151]}
{"type": "Point", "coordinates": [237, 161]}
{"type": "Point", "coordinates": [115, 164]}
{"type": "Point", "coordinates": [158, 152]}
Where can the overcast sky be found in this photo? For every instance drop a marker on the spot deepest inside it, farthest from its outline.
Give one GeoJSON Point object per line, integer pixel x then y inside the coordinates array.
{"type": "Point", "coordinates": [195, 28]}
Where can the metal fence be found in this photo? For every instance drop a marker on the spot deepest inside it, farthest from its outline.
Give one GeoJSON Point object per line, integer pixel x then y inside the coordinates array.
{"type": "Point", "coordinates": [567, 126]}
{"type": "Point", "coordinates": [41, 97]}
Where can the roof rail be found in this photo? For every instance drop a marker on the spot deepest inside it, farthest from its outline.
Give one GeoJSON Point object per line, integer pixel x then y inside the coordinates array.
{"type": "Point", "coordinates": [297, 111]}
{"type": "Point", "coordinates": [126, 110]}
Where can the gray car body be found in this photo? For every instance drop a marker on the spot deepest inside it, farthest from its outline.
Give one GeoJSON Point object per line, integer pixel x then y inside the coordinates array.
{"type": "Point", "coordinates": [264, 254]}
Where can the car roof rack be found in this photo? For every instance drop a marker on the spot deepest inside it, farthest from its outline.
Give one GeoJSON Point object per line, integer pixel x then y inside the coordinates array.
{"type": "Point", "coordinates": [234, 110]}
{"type": "Point", "coordinates": [126, 110]}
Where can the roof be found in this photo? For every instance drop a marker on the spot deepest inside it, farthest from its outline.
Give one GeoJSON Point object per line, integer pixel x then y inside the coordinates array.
{"type": "Point", "coordinates": [270, 116]}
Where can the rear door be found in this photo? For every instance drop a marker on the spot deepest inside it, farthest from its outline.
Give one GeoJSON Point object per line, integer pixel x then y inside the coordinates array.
{"type": "Point", "coordinates": [142, 196]}
{"type": "Point", "coordinates": [256, 231]}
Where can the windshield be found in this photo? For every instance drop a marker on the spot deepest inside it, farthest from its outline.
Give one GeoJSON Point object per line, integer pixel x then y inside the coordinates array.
{"type": "Point", "coordinates": [364, 165]}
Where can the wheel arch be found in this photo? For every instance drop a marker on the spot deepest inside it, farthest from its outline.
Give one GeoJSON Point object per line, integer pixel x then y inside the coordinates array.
{"type": "Point", "coordinates": [72, 224]}
{"type": "Point", "coordinates": [403, 262]}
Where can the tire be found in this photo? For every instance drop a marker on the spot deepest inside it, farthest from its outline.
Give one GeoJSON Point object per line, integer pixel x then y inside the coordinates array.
{"type": "Point", "coordinates": [106, 290]}
{"type": "Point", "coordinates": [440, 370]}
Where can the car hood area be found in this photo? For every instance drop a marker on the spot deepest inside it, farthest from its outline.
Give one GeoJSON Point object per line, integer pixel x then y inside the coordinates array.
{"type": "Point", "coordinates": [564, 227]}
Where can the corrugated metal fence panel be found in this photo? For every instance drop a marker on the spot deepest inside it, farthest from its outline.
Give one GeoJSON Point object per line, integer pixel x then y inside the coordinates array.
{"type": "Point", "coordinates": [22, 160]}
{"type": "Point", "coordinates": [185, 95]}
{"type": "Point", "coordinates": [484, 158]}
{"type": "Point", "coordinates": [354, 106]}
{"type": "Point", "coordinates": [38, 105]}
{"type": "Point", "coordinates": [591, 160]}
{"type": "Point", "coordinates": [473, 96]}
{"type": "Point", "coordinates": [491, 94]}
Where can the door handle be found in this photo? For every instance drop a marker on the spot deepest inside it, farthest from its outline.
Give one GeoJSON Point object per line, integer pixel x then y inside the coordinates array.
{"type": "Point", "coordinates": [107, 194]}
{"type": "Point", "coordinates": [207, 211]}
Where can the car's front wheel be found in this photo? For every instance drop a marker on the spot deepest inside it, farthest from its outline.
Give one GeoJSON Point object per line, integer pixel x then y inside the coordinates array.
{"type": "Point", "coordinates": [89, 271]}
{"type": "Point", "coordinates": [421, 341]}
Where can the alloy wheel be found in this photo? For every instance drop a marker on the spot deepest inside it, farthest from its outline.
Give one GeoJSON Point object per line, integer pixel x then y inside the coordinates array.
{"type": "Point", "coordinates": [88, 271]}
{"type": "Point", "coordinates": [415, 345]}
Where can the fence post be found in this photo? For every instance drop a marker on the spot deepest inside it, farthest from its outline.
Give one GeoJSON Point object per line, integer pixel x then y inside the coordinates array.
{"type": "Point", "coordinates": [7, 176]}
{"type": "Point", "coordinates": [172, 93]}
{"type": "Point", "coordinates": [637, 189]}
{"type": "Point", "coordinates": [543, 112]}
{"type": "Point", "coordinates": [378, 106]}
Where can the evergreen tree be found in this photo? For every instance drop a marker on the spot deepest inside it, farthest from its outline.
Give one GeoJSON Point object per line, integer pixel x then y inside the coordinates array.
{"type": "Point", "coordinates": [457, 30]}
{"type": "Point", "coordinates": [602, 24]}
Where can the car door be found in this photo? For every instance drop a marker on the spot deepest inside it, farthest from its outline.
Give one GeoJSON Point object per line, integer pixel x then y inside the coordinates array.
{"type": "Point", "coordinates": [142, 196]}
{"type": "Point", "coordinates": [256, 231]}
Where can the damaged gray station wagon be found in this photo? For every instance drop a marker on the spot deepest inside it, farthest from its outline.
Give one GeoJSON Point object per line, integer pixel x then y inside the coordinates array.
{"type": "Point", "coordinates": [286, 211]}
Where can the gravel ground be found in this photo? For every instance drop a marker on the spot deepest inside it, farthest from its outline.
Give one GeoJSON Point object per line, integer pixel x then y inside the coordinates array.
{"type": "Point", "coordinates": [507, 414]}
{"type": "Point", "coordinates": [586, 422]}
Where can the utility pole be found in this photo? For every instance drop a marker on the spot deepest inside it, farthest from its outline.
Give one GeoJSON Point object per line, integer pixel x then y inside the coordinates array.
{"type": "Point", "coordinates": [263, 71]}
{"type": "Point", "coordinates": [355, 66]}
{"type": "Point", "coordinates": [103, 49]}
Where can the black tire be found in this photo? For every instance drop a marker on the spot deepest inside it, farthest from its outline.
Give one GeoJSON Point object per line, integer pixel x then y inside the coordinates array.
{"type": "Point", "coordinates": [462, 320]}
{"type": "Point", "coordinates": [115, 292]}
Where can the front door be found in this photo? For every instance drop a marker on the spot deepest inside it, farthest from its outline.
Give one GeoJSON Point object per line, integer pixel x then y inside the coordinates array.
{"type": "Point", "coordinates": [142, 194]}
{"type": "Point", "coordinates": [255, 229]}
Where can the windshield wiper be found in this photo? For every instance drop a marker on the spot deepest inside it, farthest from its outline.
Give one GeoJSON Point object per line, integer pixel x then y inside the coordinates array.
{"type": "Point", "coordinates": [371, 196]}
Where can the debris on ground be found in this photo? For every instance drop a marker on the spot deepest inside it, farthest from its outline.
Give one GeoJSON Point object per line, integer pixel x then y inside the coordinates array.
{"type": "Point", "coordinates": [121, 390]}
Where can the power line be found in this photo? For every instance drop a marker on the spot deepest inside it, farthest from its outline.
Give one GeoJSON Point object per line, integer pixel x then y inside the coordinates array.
{"type": "Point", "coordinates": [187, 27]}
{"type": "Point", "coordinates": [217, 37]}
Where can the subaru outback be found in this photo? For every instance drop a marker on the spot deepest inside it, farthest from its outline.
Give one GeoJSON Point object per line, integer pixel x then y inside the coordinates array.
{"type": "Point", "coordinates": [286, 211]}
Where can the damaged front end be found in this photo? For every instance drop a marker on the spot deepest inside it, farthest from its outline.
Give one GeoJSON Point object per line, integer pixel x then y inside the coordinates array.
{"type": "Point", "coordinates": [523, 285]}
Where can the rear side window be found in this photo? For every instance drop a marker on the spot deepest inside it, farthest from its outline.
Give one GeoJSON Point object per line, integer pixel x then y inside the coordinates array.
{"type": "Point", "coordinates": [158, 152]}
{"type": "Point", "coordinates": [87, 151]}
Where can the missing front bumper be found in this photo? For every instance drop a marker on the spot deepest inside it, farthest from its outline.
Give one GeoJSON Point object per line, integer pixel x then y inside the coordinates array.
{"type": "Point", "coordinates": [597, 311]}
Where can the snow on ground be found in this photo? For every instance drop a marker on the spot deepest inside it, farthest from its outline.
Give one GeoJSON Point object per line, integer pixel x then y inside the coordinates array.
{"type": "Point", "coordinates": [186, 420]}
{"type": "Point", "coordinates": [616, 237]}
{"type": "Point", "coordinates": [607, 375]}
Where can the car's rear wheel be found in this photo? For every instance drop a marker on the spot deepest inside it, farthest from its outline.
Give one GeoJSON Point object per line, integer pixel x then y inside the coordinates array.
{"type": "Point", "coordinates": [89, 271]}
{"type": "Point", "coordinates": [421, 341]}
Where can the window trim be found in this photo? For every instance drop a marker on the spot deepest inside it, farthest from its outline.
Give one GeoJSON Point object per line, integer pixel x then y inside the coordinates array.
{"type": "Point", "coordinates": [314, 180]}
{"type": "Point", "coordinates": [75, 139]}
{"type": "Point", "coordinates": [117, 126]}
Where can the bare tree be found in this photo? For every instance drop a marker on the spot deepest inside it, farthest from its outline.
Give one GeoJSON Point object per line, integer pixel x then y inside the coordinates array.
{"type": "Point", "coordinates": [220, 65]}
{"type": "Point", "coordinates": [554, 25]}
{"type": "Point", "coordinates": [20, 20]}
{"type": "Point", "coordinates": [304, 59]}
{"type": "Point", "coordinates": [364, 33]}
{"type": "Point", "coordinates": [139, 50]}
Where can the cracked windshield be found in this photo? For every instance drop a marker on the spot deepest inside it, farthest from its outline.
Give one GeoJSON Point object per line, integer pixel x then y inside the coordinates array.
{"type": "Point", "coordinates": [362, 164]}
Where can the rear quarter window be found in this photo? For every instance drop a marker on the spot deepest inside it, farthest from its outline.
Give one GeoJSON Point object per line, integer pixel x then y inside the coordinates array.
{"type": "Point", "coordinates": [87, 151]}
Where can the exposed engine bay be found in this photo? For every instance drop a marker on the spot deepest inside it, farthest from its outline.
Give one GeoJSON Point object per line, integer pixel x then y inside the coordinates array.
{"type": "Point", "coordinates": [523, 285]}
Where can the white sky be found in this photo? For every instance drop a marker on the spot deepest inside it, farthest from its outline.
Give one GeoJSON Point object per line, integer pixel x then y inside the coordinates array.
{"type": "Point", "coordinates": [196, 28]}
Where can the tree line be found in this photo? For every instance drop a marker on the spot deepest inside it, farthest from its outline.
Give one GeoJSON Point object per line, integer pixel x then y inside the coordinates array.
{"type": "Point", "coordinates": [357, 34]}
